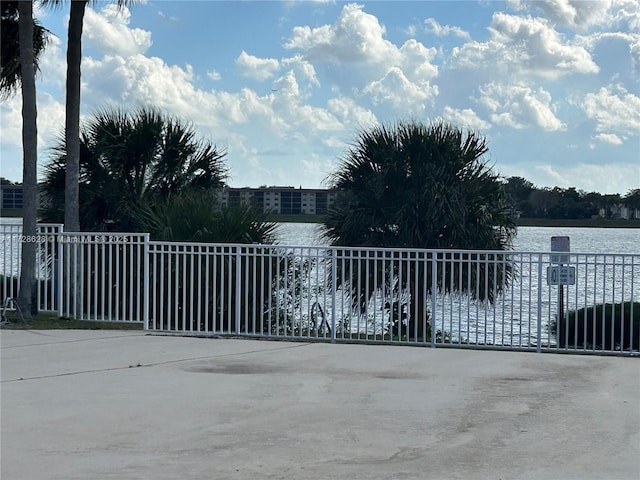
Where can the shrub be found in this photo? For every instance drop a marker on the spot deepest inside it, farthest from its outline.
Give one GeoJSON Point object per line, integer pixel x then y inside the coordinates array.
{"type": "Point", "coordinates": [605, 326]}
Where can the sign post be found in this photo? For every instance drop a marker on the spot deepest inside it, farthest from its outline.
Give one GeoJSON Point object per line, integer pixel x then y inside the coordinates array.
{"type": "Point", "coordinates": [560, 275]}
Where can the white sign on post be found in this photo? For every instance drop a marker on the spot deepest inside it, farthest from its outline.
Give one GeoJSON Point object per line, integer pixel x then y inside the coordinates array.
{"type": "Point", "coordinates": [561, 275]}
{"type": "Point", "coordinates": [560, 244]}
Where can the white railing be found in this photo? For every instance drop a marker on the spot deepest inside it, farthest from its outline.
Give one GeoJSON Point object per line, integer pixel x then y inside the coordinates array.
{"type": "Point", "coordinates": [462, 298]}
{"type": "Point", "coordinates": [103, 276]}
{"type": "Point", "coordinates": [47, 272]}
{"type": "Point", "coordinates": [306, 292]}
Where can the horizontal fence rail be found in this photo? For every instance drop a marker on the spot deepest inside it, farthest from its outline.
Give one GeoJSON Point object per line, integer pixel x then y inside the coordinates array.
{"type": "Point", "coordinates": [459, 298]}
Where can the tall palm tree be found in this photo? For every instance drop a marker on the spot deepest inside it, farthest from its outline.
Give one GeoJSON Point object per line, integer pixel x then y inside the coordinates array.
{"type": "Point", "coordinates": [72, 114]}
{"type": "Point", "coordinates": [418, 186]}
{"type": "Point", "coordinates": [28, 286]}
{"type": "Point", "coordinates": [22, 41]}
{"type": "Point", "coordinates": [130, 163]}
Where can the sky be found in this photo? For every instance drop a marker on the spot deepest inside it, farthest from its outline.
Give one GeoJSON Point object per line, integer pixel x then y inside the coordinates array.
{"type": "Point", "coordinates": [284, 87]}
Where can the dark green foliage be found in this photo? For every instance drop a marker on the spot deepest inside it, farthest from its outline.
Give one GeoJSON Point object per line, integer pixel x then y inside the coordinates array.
{"type": "Point", "coordinates": [606, 326]}
{"type": "Point", "coordinates": [147, 172]}
{"type": "Point", "coordinates": [566, 203]}
{"type": "Point", "coordinates": [195, 215]}
{"type": "Point", "coordinates": [10, 79]}
{"type": "Point", "coordinates": [131, 162]}
{"type": "Point", "coordinates": [419, 186]}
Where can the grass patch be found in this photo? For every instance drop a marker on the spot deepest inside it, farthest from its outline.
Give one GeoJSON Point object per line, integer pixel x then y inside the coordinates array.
{"type": "Point", "coordinates": [50, 321]}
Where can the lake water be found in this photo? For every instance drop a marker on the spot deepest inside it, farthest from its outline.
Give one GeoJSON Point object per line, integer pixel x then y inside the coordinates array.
{"type": "Point", "coordinates": [529, 239]}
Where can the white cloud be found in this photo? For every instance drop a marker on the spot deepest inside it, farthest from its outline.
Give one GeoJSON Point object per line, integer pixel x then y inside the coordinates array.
{"type": "Point", "coordinates": [615, 111]}
{"type": "Point", "coordinates": [583, 15]}
{"type": "Point", "coordinates": [576, 14]}
{"type": "Point", "coordinates": [257, 68]}
{"type": "Point", "coordinates": [626, 15]}
{"type": "Point", "coordinates": [397, 77]}
{"type": "Point", "coordinates": [432, 26]}
{"type": "Point", "coordinates": [303, 69]}
{"type": "Point", "coordinates": [350, 114]}
{"type": "Point", "coordinates": [51, 114]}
{"type": "Point", "coordinates": [214, 75]}
{"type": "Point", "coordinates": [519, 106]}
{"type": "Point", "coordinates": [557, 178]}
{"type": "Point", "coordinates": [465, 118]}
{"type": "Point", "coordinates": [525, 46]}
{"type": "Point", "coordinates": [398, 91]}
{"type": "Point", "coordinates": [416, 61]}
{"type": "Point", "coordinates": [109, 31]}
{"type": "Point", "coordinates": [140, 79]}
{"type": "Point", "coordinates": [355, 37]}
{"type": "Point", "coordinates": [603, 178]}
{"type": "Point", "coordinates": [611, 138]}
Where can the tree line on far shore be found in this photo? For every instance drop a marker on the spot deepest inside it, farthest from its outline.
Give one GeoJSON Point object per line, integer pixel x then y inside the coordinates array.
{"type": "Point", "coordinates": [531, 201]}
{"type": "Point", "coordinates": [567, 203]}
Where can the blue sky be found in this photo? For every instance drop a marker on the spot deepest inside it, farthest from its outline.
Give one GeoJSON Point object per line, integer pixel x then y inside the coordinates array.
{"type": "Point", "coordinates": [286, 86]}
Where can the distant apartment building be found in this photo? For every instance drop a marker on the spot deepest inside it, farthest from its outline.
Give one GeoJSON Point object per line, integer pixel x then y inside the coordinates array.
{"type": "Point", "coordinates": [11, 197]}
{"type": "Point", "coordinates": [620, 211]}
{"type": "Point", "coordinates": [281, 200]}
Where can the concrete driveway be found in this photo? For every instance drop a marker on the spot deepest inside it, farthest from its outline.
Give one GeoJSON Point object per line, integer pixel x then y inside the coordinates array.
{"type": "Point", "coordinates": [125, 405]}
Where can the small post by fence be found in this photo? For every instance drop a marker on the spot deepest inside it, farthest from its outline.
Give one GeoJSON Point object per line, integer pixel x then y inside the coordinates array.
{"type": "Point", "coordinates": [539, 320]}
{"type": "Point", "coordinates": [238, 288]}
{"type": "Point", "coordinates": [434, 288]}
{"type": "Point", "coordinates": [334, 288]}
{"type": "Point", "coordinates": [145, 285]}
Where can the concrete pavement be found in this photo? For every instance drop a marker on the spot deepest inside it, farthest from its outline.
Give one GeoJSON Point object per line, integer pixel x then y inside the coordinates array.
{"type": "Point", "coordinates": [126, 405]}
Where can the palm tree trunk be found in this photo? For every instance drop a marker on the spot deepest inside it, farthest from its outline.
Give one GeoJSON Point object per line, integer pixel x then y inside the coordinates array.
{"type": "Point", "coordinates": [72, 123]}
{"type": "Point", "coordinates": [28, 287]}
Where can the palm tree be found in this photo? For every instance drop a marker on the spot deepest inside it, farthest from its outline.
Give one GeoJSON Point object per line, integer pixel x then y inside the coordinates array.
{"type": "Point", "coordinates": [72, 116]}
{"type": "Point", "coordinates": [131, 163]}
{"type": "Point", "coordinates": [28, 286]}
{"type": "Point", "coordinates": [418, 186]}
{"type": "Point", "coordinates": [148, 172]}
{"type": "Point", "coordinates": [23, 40]}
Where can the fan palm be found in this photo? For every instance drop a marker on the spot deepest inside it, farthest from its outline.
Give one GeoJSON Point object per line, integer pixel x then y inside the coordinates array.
{"type": "Point", "coordinates": [413, 185]}
{"type": "Point", "coordinates": [72, 117]}
{"type": "Point", "coordinates": [129, 161]}
{"type": "Point", "coordinates": [10, 78]}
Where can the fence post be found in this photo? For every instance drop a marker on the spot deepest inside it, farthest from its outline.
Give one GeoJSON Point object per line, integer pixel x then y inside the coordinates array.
{"type": "Point", "coordinates": [334, 287]}
{"type": "Point", "coordinates": [145, 285]}
{"type": "Point", "coordinates": [60, 270]}
{"type": "Point", "coordinates": [434, 289]}
{"type": "Point", "coordinates": [539, 322]}
{"type": "Point", "coordinates": [238, 287]}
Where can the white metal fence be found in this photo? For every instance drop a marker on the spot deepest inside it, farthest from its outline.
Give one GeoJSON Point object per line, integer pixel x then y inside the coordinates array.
{"type": "Point", "coordinates": [479, 299]}
{"type": "Point", "coordinates": [46, 266]}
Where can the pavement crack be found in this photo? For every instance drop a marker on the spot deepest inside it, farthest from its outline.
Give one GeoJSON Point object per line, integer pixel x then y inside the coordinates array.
{"type": "Point", "coordinates": [152, 364]}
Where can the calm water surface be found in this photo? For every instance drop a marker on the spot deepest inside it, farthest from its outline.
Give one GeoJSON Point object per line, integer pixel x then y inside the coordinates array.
{"type": "Point", "coordinates": [529, 239]}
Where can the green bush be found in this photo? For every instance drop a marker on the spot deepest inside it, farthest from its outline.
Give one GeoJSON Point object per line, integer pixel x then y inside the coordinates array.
{"type": "Point", "coordinates": [606, 326]}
